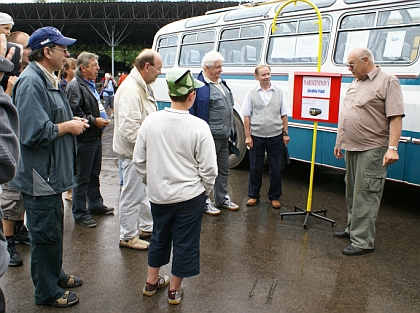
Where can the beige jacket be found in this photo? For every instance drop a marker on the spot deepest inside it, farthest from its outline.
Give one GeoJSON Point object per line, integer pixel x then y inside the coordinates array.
{"type": "Point", "coordinates": [133, 102]}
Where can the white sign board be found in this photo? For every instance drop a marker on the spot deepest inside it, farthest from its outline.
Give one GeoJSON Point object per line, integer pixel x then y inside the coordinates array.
{"type": "Point", "coordinates": [394, 44]}
{"type": "Point", "coordinates": [284, 48]}
{"type": "Point", "coordinates": [318, 87]}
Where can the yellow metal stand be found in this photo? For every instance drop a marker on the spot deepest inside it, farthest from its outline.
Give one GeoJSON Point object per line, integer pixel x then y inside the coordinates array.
{"type": "Point", "coordinates": [299, 211]}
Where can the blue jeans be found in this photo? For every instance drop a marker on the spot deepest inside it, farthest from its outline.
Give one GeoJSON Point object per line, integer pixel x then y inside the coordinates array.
{"type": "Point", "coordinates": [274, 148]}
{"type": "Point", "coordinates": [89, 161]}
{"type": "Point", "coordinates": [45, 223]}
{"type": "Point", "coordinates": [177, 225]}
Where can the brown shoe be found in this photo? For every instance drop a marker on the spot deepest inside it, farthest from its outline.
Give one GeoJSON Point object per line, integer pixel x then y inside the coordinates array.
{"type": "Point", "coordinates": [252, 201]}
{"type": "Point", "coordinates": [275, 204]}
{"type": "Point", "coordinates": [145, 234]}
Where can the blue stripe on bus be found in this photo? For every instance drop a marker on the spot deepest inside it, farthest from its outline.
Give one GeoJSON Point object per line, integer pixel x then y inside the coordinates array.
{"type": "Point", "coordinates": [348, 80]}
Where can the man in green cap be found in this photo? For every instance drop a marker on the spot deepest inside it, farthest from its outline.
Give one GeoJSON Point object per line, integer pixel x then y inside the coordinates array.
{"type": "Point", "coordinates": [179, 174]}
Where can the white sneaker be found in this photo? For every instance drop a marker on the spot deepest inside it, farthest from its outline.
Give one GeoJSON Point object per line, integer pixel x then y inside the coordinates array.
{"type": "Point", "coordinates": [228, 204]}
{"type": "Point", "coordinates": [210, 209]}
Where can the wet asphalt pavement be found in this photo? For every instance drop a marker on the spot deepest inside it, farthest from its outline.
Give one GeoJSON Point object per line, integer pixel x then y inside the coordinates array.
{"type": "Point", "coordinates": [251, 259]}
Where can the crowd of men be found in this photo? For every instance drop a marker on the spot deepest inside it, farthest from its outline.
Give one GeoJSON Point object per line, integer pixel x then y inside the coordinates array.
{"type": "Point", "coordinates": [166, 187]}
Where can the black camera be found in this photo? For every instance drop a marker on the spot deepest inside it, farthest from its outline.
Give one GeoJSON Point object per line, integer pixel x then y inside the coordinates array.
{"type": "Point", "coordinates": [17, 58]}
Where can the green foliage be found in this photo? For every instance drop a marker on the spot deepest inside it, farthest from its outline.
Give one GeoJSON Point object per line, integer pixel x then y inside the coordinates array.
{"type": "Point", "coordinates": [123, 54]}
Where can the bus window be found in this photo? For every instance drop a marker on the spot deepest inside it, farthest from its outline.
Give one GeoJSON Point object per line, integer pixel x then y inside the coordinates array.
{"type": "Point", "coordinates": [358, 21]}
{"type": "Point", "coordinates": [394, 39]}
{"type": "Point", "coordinates": [242, 45]}
{"type": "Point", "coordinates": [305, 6]}
{"type": "Point", "coordinates": [252, 31]}
{"type": "Point", "coordinates": [296, 43]}
{"type": "Point", "coordinates": [307, 26]}
{"type": "Point", "coordinates": [286, 28]}
{"type": "Point", "coordinates": [399, 17]}
{"type": "Point", "coordinates": [167, 47]}
{"type": "Point", "coordinates": [194, 46]}
{"type": "Point", "coordinates": [230, 34]}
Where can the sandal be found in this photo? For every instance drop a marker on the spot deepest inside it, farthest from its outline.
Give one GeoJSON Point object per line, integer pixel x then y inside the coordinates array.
{"type": "Point", "coordinates": [72, 282]}
{"type": "Point", "coordinates": [67, 299]}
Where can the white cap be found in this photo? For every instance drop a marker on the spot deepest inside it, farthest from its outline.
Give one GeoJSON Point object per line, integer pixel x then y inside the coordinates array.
{"type": "Point", "coordinates": [6, 19]}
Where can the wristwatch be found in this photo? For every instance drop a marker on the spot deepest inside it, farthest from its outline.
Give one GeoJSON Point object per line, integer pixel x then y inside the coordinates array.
{"type": "Point", "coordinates": [395, 148]}
{"type": "Point", "coordinates": [285, 134]}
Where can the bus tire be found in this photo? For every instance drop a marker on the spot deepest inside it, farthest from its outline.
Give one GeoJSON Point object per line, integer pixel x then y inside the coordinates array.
{"type": "Point", "coordinates": [235, 161]}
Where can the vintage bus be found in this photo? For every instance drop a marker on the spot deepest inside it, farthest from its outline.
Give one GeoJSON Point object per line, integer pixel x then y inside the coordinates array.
{"type": "Point", "coordinates": [242, 34]}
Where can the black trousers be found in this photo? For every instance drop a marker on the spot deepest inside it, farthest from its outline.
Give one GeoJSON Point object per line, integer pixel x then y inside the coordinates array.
{"type": "Point", "coordinates": [274, 148]}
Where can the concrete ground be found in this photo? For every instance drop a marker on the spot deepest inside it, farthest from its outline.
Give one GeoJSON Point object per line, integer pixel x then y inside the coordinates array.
{"type": "Point", "coordinates": [251, 259]}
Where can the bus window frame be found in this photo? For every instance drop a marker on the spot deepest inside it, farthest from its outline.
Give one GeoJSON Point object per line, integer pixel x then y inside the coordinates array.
{"type": "Point", "coordinates": [379, 31]}
{"type": "Point", "coordinates": [169, 57]}
{"type": "Point", "coordinates": [299, 61]}
{"type": "Point", "coordinates": [193, 57]}
{"type": "Point", "coordinates": [238, 57]}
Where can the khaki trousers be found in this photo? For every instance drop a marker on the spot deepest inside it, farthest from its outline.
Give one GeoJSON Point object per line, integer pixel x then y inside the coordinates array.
{"type": "Point", "coordinates": [365, 179]}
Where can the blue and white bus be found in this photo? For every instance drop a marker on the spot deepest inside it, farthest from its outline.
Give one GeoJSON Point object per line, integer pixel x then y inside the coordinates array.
{"type": "Point", "coordinates": [242, 34]}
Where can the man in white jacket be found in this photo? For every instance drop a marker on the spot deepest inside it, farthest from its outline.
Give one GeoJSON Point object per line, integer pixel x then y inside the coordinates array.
{"type": "Point", "coordinates": [133, 102]}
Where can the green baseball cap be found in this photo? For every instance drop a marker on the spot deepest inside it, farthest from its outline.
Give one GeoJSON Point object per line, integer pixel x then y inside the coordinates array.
{"type": "Point", "coordinates": [181, 82]}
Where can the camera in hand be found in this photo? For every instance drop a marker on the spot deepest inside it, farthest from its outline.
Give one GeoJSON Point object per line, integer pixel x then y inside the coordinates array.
{"type": "Point", "coordinates": [16, 59]}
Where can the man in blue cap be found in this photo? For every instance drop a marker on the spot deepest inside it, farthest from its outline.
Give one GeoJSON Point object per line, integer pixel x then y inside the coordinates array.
{"type": "Point", "coordinates": [46, 168]}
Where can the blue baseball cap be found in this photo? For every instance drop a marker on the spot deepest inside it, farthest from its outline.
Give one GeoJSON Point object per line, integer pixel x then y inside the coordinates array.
{"type": "Point", "coordinates": [46, 35]}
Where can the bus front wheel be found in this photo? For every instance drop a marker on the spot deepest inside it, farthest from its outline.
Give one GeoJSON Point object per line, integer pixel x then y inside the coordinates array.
{"type": "Point", "coordinates": [235, 161]}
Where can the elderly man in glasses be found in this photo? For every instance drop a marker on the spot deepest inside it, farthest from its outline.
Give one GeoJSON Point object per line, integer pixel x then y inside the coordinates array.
{"type": "Point", "coordinates": [134, 101]}
{"type": "Point", "coordinates": [369, 129]}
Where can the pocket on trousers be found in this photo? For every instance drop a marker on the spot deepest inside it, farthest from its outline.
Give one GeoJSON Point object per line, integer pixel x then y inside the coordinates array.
{"type": "Point", "coordinates": [373, 181]}
{"type": "Point", "coordinates": [44, 227]}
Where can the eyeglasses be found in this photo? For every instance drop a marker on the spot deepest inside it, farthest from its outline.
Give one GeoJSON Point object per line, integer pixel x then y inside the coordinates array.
{"type": "Point", "coordinates": [158, 68]}
{"type": "Point", "coordinates": [351, 65]}
{"type": "Point", "coordinates": [62, 49]}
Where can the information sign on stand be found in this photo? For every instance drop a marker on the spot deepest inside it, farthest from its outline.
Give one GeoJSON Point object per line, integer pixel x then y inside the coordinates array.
{"type": "Point", "coordinates": [316, 96]}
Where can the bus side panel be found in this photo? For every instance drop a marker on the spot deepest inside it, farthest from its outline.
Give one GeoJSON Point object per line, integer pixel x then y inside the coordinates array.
{"type": "Point", "coordinates": [412, 170]}
{"type": "Point", "coordinates": [396, 170]}
{"type": "Point", "coordinates": [301, 147]}
{"type": "Point", "coordinates": [326, 141]}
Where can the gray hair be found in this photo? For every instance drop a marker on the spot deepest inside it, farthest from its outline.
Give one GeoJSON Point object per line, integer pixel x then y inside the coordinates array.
{"type": "Point", "coordinates": [210, 58]}
{"type": "Point", "coordinates": [84, 59]}
{"type": "Point", "coordinates": [363, 53]}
